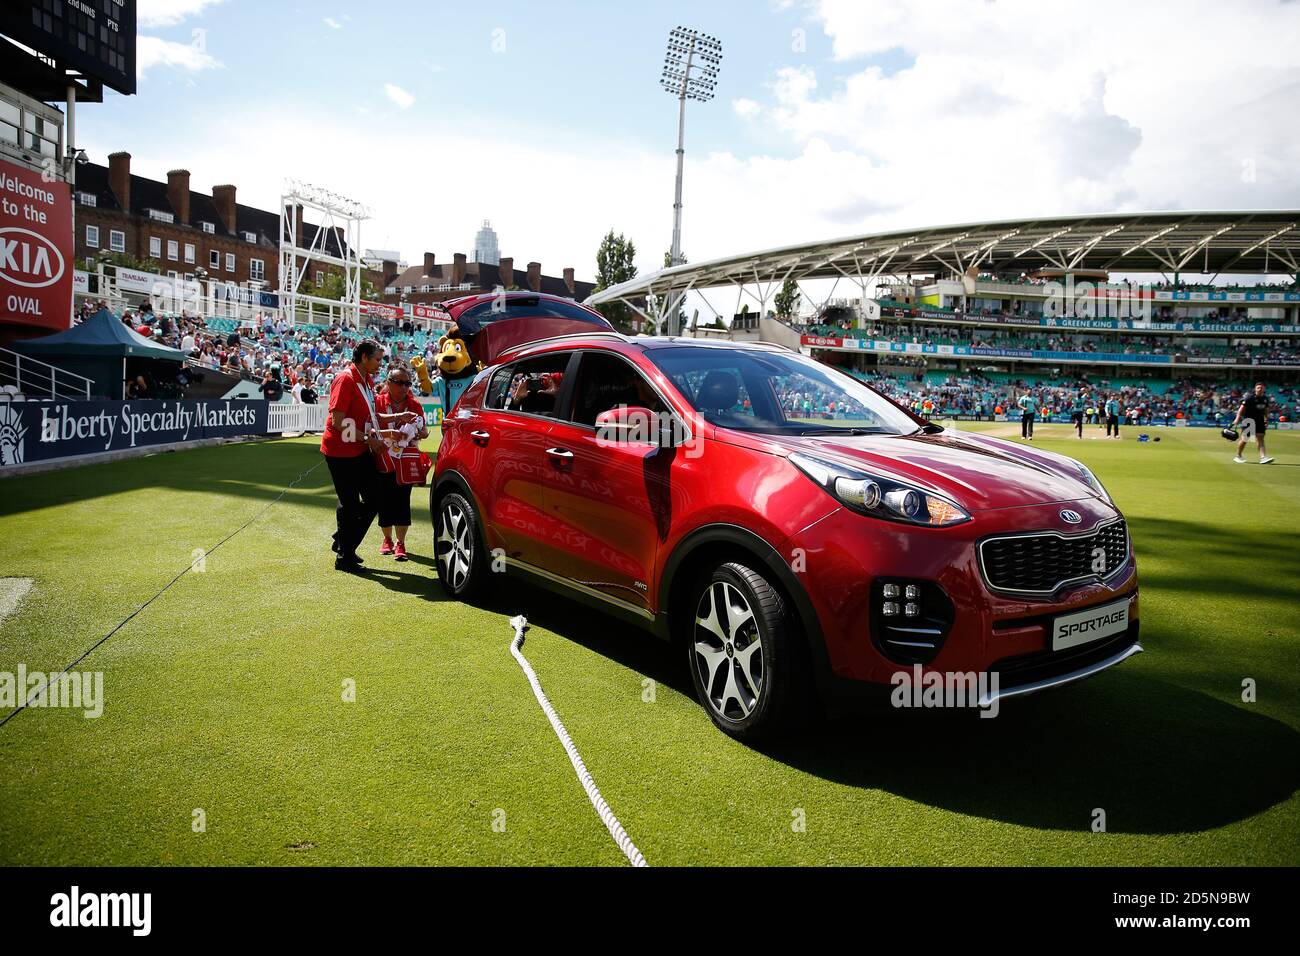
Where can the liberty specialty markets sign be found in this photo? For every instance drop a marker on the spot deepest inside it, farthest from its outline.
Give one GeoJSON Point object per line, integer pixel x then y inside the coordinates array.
{"type": "Point", "coordinates": [42, 431]}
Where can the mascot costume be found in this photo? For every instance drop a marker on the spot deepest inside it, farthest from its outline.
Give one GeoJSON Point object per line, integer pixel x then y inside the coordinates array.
{"type": "Point", "coordinates": [456, 368]}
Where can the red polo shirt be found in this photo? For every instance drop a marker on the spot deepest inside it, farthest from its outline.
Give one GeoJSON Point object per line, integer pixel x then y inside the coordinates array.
{"type": "Point", "coordinates": [346, 395]}
{"type": "Point", "coordinates": [384, 404]}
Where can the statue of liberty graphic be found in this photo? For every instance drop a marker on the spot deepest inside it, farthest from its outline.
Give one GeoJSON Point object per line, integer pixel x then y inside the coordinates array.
{"type": "Point", "coordinates": [12, 432]}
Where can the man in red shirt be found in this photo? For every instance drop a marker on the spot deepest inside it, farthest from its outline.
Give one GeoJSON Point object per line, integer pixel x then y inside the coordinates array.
{"type": "Point", "coordinates": [347, 444]}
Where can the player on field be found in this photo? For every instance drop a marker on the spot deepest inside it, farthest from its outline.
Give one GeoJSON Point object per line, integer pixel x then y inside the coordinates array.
{"type": "Point", "coordinates": [1028, 408]}
{"type": "Point", "coordinates": [1254, 414]}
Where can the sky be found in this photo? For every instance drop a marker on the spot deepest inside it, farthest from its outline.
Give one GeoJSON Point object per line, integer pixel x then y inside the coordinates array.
{"type": "Point", "coordinates": [832, 117]}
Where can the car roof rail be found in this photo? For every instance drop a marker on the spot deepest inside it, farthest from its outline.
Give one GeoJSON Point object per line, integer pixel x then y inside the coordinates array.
{"type": "Point", "coordinates": [599, 333]}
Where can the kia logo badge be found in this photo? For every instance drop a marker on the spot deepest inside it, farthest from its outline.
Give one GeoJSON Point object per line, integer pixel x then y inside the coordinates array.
{"type": "Point", "coordinates": [1071, 517]}
{"type": "Point", "coordinates": [29, 259]}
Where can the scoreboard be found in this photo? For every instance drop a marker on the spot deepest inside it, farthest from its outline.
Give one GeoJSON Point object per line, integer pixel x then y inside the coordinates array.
{"type": "Point", "coordinates": [94, 37]}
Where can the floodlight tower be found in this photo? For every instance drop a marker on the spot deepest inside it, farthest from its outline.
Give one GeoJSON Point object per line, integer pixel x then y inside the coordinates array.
{"type": "Point", "coordinates": [690, 73]}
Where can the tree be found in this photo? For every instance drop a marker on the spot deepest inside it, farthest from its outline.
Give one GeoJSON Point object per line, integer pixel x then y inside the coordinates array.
{"type": "Point", "coordinates": [668, 258]}
{"type": "Point", "coordinates": [333, 286]}
{"type": "Point", "coordinates": [787, 300]}
{"type": "Point", "coordinates": [616, 263]}
{"type": "Point", "coordinates": [125, 261]}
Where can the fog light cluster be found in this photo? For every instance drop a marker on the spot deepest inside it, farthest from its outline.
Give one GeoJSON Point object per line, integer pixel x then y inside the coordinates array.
{"type": "Point", "coordinates": [910, 619]}
{"type": "Point", "coordinates": [891, 592]}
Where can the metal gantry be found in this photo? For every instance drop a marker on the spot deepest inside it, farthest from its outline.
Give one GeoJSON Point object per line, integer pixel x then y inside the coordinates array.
{"type": "Point", "coordinates": [302, 243]}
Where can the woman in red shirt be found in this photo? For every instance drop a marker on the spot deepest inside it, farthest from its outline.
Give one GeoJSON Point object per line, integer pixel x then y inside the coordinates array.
{"type": "Point", "coordinates": [394, 498]}
{"type": "Point", "coordinates": [350, 436]}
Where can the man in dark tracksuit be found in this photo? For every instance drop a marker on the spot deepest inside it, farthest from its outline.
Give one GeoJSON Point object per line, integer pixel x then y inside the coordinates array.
{"type": "Point", "coordinates": [1254, 409]}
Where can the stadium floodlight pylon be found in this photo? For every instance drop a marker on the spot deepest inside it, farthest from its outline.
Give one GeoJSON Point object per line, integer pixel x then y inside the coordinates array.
{"type": "Point", "coordinates": [690, 72]}
{"type": "Point", "coordinates": [341, 219]}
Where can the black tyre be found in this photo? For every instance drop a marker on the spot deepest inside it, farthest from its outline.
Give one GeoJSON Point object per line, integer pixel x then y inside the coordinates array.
{"type": "Point", "coordinates": [458, 549]}
{"type": "Point", "coordinates": [746, 655]}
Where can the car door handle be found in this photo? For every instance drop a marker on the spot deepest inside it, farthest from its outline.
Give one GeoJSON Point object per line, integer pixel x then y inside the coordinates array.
{"type": "Point", "coordinates": [561, 453]}
{"type": "Point", "coordinates": [480, 437]}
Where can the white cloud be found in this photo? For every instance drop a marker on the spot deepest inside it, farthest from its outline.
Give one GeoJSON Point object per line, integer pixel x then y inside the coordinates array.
{"type": "Point", "coordinates": [1003, 112]}
{"type": "Point", "coordinates": [167, 13]}
{"type": "Point", "coordinates": [398, 96]}
{"type": "Point", "coordinates": [155, 51]}
{"type": "Point", "coordinates": [746, 108]}
{"type": "Point", "coordinates": [332, 23]}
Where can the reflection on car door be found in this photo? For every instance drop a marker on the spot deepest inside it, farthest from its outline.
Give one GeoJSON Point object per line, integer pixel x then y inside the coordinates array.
{"type": "Point", "coordinates": [514, 465]}
{"type": "Point", "coordinates": [608, 504]}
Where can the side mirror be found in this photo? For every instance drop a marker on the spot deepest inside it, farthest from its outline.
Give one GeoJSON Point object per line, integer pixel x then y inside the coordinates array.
{"type": "Point", "coordinates": [635, 424]}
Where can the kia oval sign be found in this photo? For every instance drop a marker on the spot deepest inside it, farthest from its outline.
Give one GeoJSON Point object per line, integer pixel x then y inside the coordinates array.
{"type": "Point", "coordinates": [36, 250]}
{"type": "Point", "coordinates": [29, 259]}
{"type": "Point", "coordinates": [1071, 517]}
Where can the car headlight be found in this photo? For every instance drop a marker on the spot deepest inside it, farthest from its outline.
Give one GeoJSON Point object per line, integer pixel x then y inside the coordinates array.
{"type": "Point", "coordinates": [1089, 479]}
{"type": "Point", "coordinates": [880, 497]}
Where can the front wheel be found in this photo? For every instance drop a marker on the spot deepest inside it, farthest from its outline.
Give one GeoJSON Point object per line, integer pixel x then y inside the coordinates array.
{"type": "Point", "coordinates": [458, 547]}
{"type": "Point", "coordinates": [745, 654]}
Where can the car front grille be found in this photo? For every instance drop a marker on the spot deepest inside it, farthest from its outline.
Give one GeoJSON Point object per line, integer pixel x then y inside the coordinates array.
{"type": "Point", "coordinates": [1041, 563]}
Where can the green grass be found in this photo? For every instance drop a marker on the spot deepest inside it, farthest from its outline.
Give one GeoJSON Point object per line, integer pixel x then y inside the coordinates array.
{"type": "Point", "coordinates": [225, 694]}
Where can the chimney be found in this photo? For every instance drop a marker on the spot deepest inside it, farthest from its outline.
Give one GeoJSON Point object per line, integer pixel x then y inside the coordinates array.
{"type": "Point", "coordinates": [223, 197]}
{"type": "Point", "coordinates": [458, 269]}
{"type": "Point", "coordinates": [178, 194]}
{"type": "Point", "coordinates": [535, 276]}
{"type": "Point", "coordinates": [390, 272]}
{"type": "Point", "coordinates": [297, 225]}
{"type": "Point", "coordinates": [119, 178]}
{"type": "Point", "coordinates": [506, 267]}
{"type": "Point", "coordinates": [430, 264]}
{"type": "Point", "coordinates": [568, 281]}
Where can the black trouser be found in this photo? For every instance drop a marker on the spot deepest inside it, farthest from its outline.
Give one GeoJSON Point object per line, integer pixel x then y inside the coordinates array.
{"type": "Point", "coordinates": [1027, 425]}
{"type": "Point", "coordinates": [1112, 422]}
{"type": "Point", "coordinates": [356, 483]}
{"type": "Point", "coordinates": [1077, 420]}
{"type": "Point", "coordinates": [394, 502]}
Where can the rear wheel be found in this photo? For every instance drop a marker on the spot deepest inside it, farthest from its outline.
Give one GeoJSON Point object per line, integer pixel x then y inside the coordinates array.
{"type": "Point", "coordinates": [745, 654]}
{"type": "Point", "coordinates": [458, 547]}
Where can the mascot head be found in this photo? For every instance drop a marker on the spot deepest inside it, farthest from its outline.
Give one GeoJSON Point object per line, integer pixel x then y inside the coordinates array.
{"type": "Point", "coordinates": [453, 358]}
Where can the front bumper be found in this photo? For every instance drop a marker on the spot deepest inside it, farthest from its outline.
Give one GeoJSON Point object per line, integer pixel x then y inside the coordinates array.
{"type": "Point", "coordinates": [991, 631]}
{"type": "Point", "coordinates": [1060, 675]}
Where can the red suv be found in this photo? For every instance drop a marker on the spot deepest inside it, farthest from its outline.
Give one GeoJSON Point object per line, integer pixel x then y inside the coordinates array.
{"type": "Point", "coordinates": [797, 532]}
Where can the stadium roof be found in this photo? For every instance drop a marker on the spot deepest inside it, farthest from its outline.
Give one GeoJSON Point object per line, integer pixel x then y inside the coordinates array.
{"type": "Point", "coordinates": [1244, 242]}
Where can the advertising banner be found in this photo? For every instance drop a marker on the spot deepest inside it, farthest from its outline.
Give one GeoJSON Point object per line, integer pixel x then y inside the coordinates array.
{"type": "Point", "coordinates": [35, 249]}
{"type": "Point", "coordinates": [42, 431]}
{"type": "Point", "coordinates": [380, 310]}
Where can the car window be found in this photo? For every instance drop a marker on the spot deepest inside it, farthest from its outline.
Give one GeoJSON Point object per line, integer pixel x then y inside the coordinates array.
{"type": "Point", "coordinates": [606, 381]}
{"type": "Point", "coordinates": [717, 390]}
{"type": "Point", "coordinates": [532, 385]}
{"type": "Point", "coordinates": [776, 392]}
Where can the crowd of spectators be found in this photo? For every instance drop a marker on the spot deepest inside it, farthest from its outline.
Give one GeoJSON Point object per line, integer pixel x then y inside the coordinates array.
{"type": "Point", "coordinates": [1259, 352]}
{"type": "Point", "coordinates": [281, 358]}
{"type": "Point", "coordinates": [1160, 402]}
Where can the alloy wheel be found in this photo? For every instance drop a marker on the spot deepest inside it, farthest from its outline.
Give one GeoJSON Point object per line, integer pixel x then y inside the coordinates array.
{"type": "Point", "coordinates": [728, 651]}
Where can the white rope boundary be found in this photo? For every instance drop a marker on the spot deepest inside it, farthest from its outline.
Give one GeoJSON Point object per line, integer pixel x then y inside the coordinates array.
{"type": "Point", "coordinates": [520, 624]}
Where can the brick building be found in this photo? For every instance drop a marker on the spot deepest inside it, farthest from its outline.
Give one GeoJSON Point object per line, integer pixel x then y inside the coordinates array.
{"type": "Point", "coordinates": [433, 282]}
{"type": "Point", "coordinates": [213, 236]}
{"type": "Point", "coordinates": [183, 232]}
